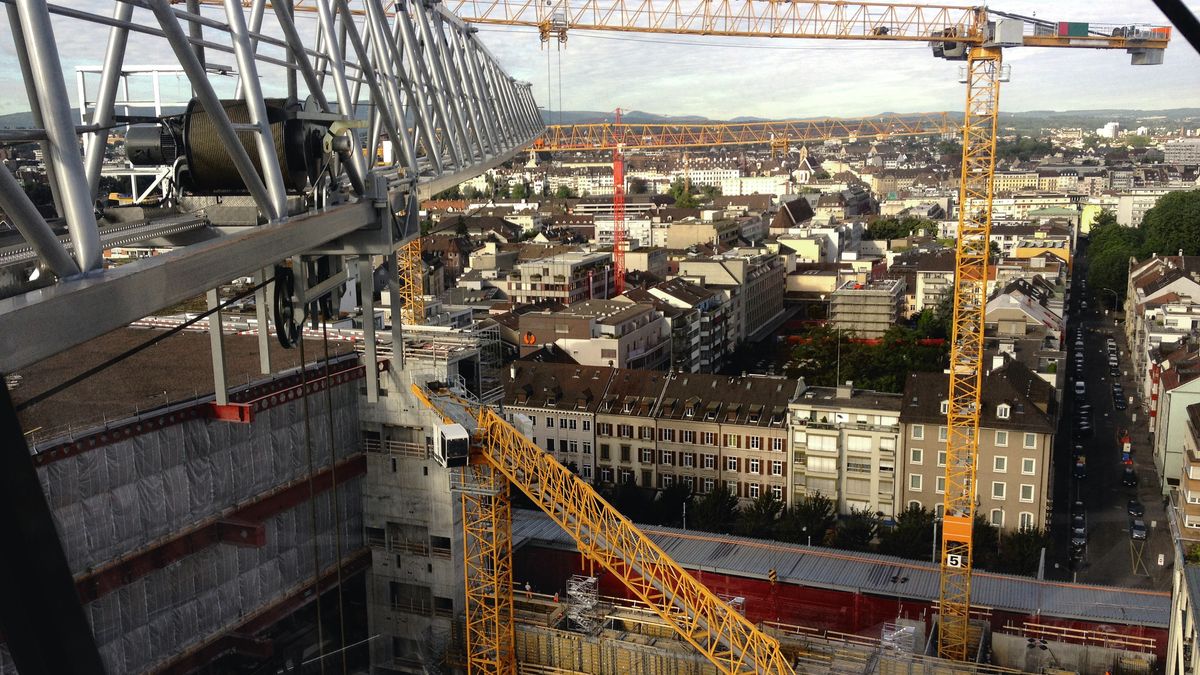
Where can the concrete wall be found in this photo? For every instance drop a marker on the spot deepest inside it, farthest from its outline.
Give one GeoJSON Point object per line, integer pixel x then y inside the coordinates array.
{"type": "Point", "coordinates": [1012, 651]}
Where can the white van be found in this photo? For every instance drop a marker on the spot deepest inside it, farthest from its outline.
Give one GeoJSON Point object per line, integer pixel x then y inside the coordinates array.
{"type": "Point", "coordinates": [1080, 388]}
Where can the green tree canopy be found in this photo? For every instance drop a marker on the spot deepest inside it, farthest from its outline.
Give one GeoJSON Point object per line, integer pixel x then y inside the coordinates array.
{"type": "Point", "coordinates": [1173, 224]}
{"type": "Point", "coordinates": [715, 511]}
{"type": "Point", "coordinates": [759, 518]}
{"type": "Point", "coordinates": [883, 366]}
{"type": "Point", "coordinates": [898, 227]}
{"type": "Point", "coordinates": [856, 531]}
{"type": "Point", "coordinates": [520, 191]}
{"type": "Point", "coordinates": [469, 192]}
{"type": "Point", "coordinates": [812, 515]}
{"type": "Point", "coordinates": [912, 535]}
{"type": "Point", "coordinates": [1020, 552]}
{"type": "Point", "coordinates": [668, 508]}
{"type": "Point", "coordinates": [682, 195]}
{"type": "Point", "coordinates": [564, 192]}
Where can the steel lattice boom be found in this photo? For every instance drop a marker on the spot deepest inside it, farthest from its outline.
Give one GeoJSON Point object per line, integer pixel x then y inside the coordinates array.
{"type": "Point", "coordinates": [606, 135]}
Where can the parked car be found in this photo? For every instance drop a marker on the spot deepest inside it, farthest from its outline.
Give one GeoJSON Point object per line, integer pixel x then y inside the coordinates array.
{"type": "Point", "coordinates": [1114, 371]}
{"type": "Point", "coordinates": [1119, 403]}
{"type": "Point", "coordinates": [1080, 388]}
{"type": "Point", "coordinates": [1137, 529]}
{"type": "Point", "coordinates": [1129, 478]}
{"type": "Point", "coordinates": [1135, 508]}
{"type": "Point", "coordinates": [1080, 471]}
{"type": "Point", "coordinates": [1077, 508]}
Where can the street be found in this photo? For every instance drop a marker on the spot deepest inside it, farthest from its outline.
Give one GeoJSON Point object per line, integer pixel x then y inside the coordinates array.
{"type": "Point", "coordinates": [1111, 556]}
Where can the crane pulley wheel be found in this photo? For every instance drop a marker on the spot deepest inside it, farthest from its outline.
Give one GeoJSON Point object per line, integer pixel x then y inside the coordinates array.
{"type": "Point", "coordinates": [287, 328]}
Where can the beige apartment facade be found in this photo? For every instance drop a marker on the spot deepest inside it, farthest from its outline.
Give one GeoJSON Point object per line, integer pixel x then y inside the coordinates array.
{"type": "Point", "coordinates": [1014, 474]}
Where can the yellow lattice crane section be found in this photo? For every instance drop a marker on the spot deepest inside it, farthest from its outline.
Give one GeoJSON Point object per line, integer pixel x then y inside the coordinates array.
{"type": "Point", "coordinates": [729, 641]}
{"type": "Point", "coordinates": [607, 135]}
{"type": "Point", "coordinates": [412, 292]}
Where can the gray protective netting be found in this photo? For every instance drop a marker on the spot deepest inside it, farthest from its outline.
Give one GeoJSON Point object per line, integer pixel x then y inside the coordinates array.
{"type": "Point", "coordinates": [115, 499]}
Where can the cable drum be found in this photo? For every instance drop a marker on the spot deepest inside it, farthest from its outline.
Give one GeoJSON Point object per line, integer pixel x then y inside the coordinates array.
{"type": "Point", "coordinates": [210, 169]}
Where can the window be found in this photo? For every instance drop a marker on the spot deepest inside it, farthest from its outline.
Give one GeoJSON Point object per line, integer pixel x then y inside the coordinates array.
{"type": "Point", "coordinates": [1002, 439]}
{"type": "Point", "coordinates": [667, 480]}
{"type": "Point", "coordinates": [942, 434]}
{"type": "Point", "coordinates": [603, 429]}
{"type": "Point", "coordinates": [914, 504]}
{"type": "Point", "coordinates": [647, 456]}
{"type": "Point", "coordinates": [858, 466]}
{"type": "Point", "coordinates": [689, 459]}
{"type": "Point", "coordinates": [666, 457]}
{"type": "Point", "coordinates": [944, 408]}
{"type": "Point", "coordinates": [1003, 411]}
{"type": "Point", "coordinates": [1026, 492]}
{"type": "Point", "coordinates": [940, 485]}
{"type": "Point", "coordinates": [777, 445]}
{"type": "Point", "coordinates": [1026, 520]}
{"type": "Point", "coordinates": [1028, 466]}
{"type": "Point", "coordinates": [708, 438]}
{"type": "Point", "coordinates": [587, 447]}
{"type": "Point", "coordinates": [755, 442]}
{"type": "Point", "coordinates": [573, 446]}
{"type": "Point", "coordinates": [777, 492]}
{"type": "Point", "coordinates": [998, 517]}
{"type": "Point", "coordinates": [625, 430]}
{"type": "Point", "coordinates": [941, 458]}
{"type": "Point", "coordinates": [1000, 464]}
{"type": "Point", "coordinates": [666, 435]}
{"type": "Point", "coordinates": [587, 470]}
{"type": "Point", "coordinates": [562, 423]}
{"type": "Point", "coordinates": [710, 461]}
{"type": "Point", "coordinates": [999, 489]}
{"type": "Point", "coordinates": [708, 485]}
{"type": "Point", "coordinates": [752, 490]}
{"type": "Point", "coordinates": [587, 425]}
{"type": "Point", "coordinates": [604, 452]}
{"type": "Point", "coordinates": [571, 423]}
{"type": "Point", "coordinates": [858, 443]}
{"type": "Point", "coordinates": [776, 468]}
{"type": "Point", "coordinates": [733, 441]}
{"type": "Point", "coordinates": [731, 463]}
{"type": "Point", "coordinates": [625, 450]}
{"type": "Point", "coordinates": [690, 482]}
{"type": "Point", "coordinates": [550, 422]}
{"type": "Point", "coordinates": [646, 433]}
{"type": "Point", "coordinates": [914, 482]}
{"type": "Point", "coordinates": [918, 432]}
{"type": "Point", "coordinates": [687, 437]}
{"type": "Point", "coordinates": [915, 455]}
{"type": "Point", "coordinates": [550, 444]}
{"type": "Point", "coordinates": [606, 474]}
{"type": "Point", "coordinates": [1030, 441]}
{"type": "Point", "coordinates": [753, 466]}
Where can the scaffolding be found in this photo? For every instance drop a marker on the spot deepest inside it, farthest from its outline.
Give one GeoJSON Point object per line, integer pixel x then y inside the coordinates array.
{"type": "Point", "coordinates": [582, 597]}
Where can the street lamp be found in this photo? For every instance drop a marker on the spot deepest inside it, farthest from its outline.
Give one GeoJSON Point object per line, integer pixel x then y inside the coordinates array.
{"type": "Point", "coordinates": [1116, 298]}
{"type": "Point", "coordinates": [933, 556]}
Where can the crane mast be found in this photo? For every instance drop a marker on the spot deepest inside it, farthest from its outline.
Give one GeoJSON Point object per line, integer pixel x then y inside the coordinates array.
{"type": "Point", "coordinates": [618, 163]}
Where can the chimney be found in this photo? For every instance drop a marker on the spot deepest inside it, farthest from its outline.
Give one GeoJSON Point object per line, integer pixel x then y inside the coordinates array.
{"type": "Point", "coordinates": [845, 390]}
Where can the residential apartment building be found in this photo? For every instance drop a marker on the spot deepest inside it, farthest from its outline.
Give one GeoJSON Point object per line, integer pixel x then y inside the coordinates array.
{"type": "Point", "coordinates": [685, 329]}
{"type": "Point", "coordinates": [1014, 473]}
{"type": "Point", "coordinates": [868, 309]}
{"type": "Point", "coordinates": [753, 278]}
{"type": "Point", "coordinates": [567, 278]}
{"type": "Point", "coordinates": [1175, 386]}
{"type": "Point", "coordinates": [1182, 151]}
{"type": "Point", "coordinates": [601, 333]}
{"type": "Point", "coordinates": [1155, 284]}
{"type": "Point", "coordinates": [844, 443]}
{"type": "Point", "coordinates": [558, 403]}
{"type": "Point", "coordinates": [712, 305]}
{"type": "Point", "coordinates": [934, 279]}
{"type": "Point", "coordinates": [1013, 181]}
{"type": "Point", "coordinates": [1188, 495]}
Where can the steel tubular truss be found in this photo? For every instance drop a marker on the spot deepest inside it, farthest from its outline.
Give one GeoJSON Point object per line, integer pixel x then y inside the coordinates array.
{"type": "Point", "coordinates": [724, 636]}
{"type": "Point", "coordinates": [418, 74]}
{"type": "Point", "coordinates": [487, 568]}
{"type": "Point", "coordinates": [966, 350]}
{"type": "Point", "coordinates": [607, 136]}
{"type": "Point", "coordinates": [412, 288]}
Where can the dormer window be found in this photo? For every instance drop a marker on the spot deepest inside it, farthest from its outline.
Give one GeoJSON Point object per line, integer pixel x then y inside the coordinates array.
{"type": "Point", "coordinates": [945, 408]}
{"type": "Point", "coordinates": [1003, 411]}
{"type": "Point", "coordinates": [629, 406]}
{"type": "Point", "coordinates": [690, 411]}
{"type": "Point", "coordinates": [551, 401]}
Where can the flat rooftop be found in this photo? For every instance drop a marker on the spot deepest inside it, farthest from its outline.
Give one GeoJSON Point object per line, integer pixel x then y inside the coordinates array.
{"type": "Point", "coordinates": [176, 369]}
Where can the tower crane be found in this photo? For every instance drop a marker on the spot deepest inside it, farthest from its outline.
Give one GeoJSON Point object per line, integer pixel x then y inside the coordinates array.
{"type": "Point", "coordinates": [975, 35]}
{"type": "Point", "coordinates": [500, 454]}
{"type": "Point", "coordinates": [618, 163]}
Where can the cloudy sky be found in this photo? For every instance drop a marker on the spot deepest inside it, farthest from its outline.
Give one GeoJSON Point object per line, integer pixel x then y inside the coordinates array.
{"type": "Point", "coordinates": [722, 78]}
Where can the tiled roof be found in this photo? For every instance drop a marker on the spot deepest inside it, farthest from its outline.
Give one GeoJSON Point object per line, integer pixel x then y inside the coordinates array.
{"type": "Point", "coordinates": [1013, 383]}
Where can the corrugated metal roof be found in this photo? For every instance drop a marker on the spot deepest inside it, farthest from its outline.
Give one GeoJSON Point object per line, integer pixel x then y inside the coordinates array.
{"type": "Point", "coordinates": [871, 573]}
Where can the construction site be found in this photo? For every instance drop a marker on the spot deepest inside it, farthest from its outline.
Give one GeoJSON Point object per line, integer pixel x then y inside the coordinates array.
{"type": "Point", "coordinates": [307, 476]}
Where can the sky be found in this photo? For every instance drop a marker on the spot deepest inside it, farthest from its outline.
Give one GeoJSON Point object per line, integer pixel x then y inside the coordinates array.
{"type": "Point", "coordinates": [722, 78]}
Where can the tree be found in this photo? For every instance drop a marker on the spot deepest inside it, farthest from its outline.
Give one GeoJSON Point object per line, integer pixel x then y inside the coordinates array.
{"type": "Point", "coordinates": [632, 501]}
{"type": "Point", "coordinates": [855, 532]}
{"type": "Point", "coordinates": [564, 192]}
{"type": "Point", "coordinates": [668, 508]}
{"type": "Point", "coordinates": [460, 227]}
{"type": "Point", "coordinates": [893, 227]}
{"type": "Point", "coordinates": [682, 195]}
{"type": "Point", "coordinates": [469, 192]}
{"type": "Point", "coordinates": [1021, 551]}
{"type": "Point", "coordinates": [715, 511]}
{"type": "Point", "coordinates": [759, 518]}
{"type": "Point", "coordinates": [710, 192]}
{"type": "Point", "coordinates": [637, 186]}
{"type": "Point", "coordinates": [449, 193]}
{"type": "Point", "coordinates": [1173, 224]}
{"type": "Point", "coordinates": [934, 322]}
{"type": "Point", "coordinates": [1110, 246]}
{"type": "Point", "coordinates": [985, 542]}
{"type": "Point", "coordinates": [993, 252]}
{"type": "Point", "coordinates": [912, 535]}
{"type": "Point", "coordinates": [520, 191]}
{"type": "Point", "coordinates": [812, 516]}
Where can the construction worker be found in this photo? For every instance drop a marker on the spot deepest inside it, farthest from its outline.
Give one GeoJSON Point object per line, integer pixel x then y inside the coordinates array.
{"type": "Point", "coordinates": [528, 591]}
